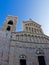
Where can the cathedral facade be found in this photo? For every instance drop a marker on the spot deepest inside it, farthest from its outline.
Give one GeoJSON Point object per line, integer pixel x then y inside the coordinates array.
{"type": "Point", "coordinates": [27, 47]}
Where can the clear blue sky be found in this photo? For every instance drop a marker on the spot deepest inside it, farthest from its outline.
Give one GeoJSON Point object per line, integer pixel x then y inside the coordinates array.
{"type": "Point", "coordinates": [37, 10]}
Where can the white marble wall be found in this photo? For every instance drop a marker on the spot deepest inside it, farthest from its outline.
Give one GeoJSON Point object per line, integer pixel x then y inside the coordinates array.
{"type": "Point", "coordinates": [12, 46]}
{"type": "Point", "coordinates": [29, 50]}
{"type": "Point", "coordinates": [4, 48]}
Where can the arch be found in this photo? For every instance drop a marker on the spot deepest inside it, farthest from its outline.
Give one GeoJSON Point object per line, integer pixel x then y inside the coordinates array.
{"type": "Point", "coordinates": [39, 51]}
{"type": "Point", "coordinates": [10, 22]}
{"type": "Point", "coordinates": [8, 28]}
{"type": "Point", "coordinates": [32, 35]}
{"type": "Point", "coordinates": [25, 34]}
{"type": "Point", "coordinates": [28, 35]}
{"type": "Point", "coordinates": [27, 29]}
{"type": "Point", "coordinates": [22, 56]}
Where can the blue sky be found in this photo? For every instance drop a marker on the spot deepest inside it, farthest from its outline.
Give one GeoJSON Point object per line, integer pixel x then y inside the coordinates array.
{"type": "Point", "coordinates": [38, 10]}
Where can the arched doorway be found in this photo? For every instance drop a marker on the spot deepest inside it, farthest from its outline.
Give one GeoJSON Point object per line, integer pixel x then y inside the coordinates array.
{"type": "Point", "coordinates": [22, 60]}
{"type": "Point", "coordinates": [40, 56]}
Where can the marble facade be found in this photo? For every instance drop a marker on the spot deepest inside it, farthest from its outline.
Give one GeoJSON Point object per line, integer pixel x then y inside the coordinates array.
{"type": "Point", "coordinates": [26, 46]}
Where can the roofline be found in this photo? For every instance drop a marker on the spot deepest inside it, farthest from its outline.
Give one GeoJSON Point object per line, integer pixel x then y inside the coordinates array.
{"type": "Point", "coordinates": [31, 21]}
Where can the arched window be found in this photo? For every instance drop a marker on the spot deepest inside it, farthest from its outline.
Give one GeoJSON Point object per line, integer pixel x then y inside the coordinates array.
{"type": "Point", "coordinates": [24, 37]}
{"type": "Point", "coordinates": [22, 60]}
{"type": "Point", "coordinates": [28, 37]}
{"type": "Point", "coordinates": [27, 29]}
{"type": "Point", "coordinates": [8, 28]}
{"type": "Point", "coordinates": [10, 22]}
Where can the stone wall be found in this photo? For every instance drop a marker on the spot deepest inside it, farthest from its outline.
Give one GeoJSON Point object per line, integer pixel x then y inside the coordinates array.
{"type": "Point", "coordinates": [4, 48]}
{"type": "Point", "coordinates": [29, 50]}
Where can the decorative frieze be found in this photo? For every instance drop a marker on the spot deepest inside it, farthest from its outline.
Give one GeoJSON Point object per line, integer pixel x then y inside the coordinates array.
{"type": "Point", "coordinates": [30, 38]}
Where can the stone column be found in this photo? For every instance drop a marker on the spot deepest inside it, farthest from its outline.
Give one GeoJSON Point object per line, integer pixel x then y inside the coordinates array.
{"type": "Point", "coordinates": [11, 56]}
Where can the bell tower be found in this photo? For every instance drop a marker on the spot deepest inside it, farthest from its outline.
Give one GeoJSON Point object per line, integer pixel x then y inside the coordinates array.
{"type": "Point", "coordinates": [10, 23]}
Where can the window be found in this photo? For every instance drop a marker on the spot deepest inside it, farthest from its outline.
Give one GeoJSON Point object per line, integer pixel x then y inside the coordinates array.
{"type": "Point", "coordinates": [35, 30]}
{"type": "Point", "coordinates": [10, 22]}
{"type": "Point", "coordinates": [27, 29]}
{"type": "Point", "coordinates": [41, 60]}
{"type": "Point", "coordinates": [26, 24]}
{"type": "Point", "coordinates": [8, 28]}
{"type": "Point", "coordinates": [22, 61]}
{"type": "Point", "coordinates": [32, 29]}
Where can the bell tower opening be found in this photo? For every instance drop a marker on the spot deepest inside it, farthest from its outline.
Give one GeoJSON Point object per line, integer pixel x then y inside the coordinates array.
{"type": "Point", "coordinates": [8, 28]}
{"type": "Point", "coordinates": [10, 22]}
